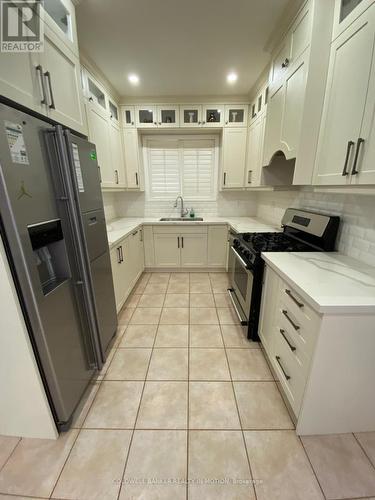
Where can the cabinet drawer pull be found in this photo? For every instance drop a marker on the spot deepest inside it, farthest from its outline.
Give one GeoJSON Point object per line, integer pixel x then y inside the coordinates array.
{"type": "Point", "coordinates": [136, 178]}
{"type": "Point", "coordinates": [116, 175]}
{"type": "Point", "coordinates": [39, 70]}
{"type": "Point", "coordinates": [278, 359]}
{"type": "Point", "coordinates": [296, 327]}
{"type": "Point", "coordinates": [47, 74]}
{"type": "Point", "coordinates": [348, 149]}
{"type": "Point", "coordinates": [178, 242]}
{"type": "Point", "coordinates": [357, 150]}
{"type": "Point", "coordinates": [182, 242]}
{"type": "Point", "coordinates": [291, 346]}
{"type": "Point", "coordinates": [118, 255]}
{"type": "Point", "coordinates": [289, 293]}
{"type": "Point", "coordinates": [135, 232]}
{"type": "Point", "coordinates": [249, 175]}
{"type": "Point", "coordinates": [225, 178]}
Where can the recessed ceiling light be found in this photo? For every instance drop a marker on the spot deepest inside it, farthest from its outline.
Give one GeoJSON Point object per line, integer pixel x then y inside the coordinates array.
{"type": "Point", "coordinates": [232, 77]}
{"type": "Point", "coordinates": [134, 79]}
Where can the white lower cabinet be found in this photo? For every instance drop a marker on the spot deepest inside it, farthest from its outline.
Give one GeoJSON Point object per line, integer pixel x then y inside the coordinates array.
{"type": "Point", "coordinates": [127, 265]}
{"type": "Point", "coordinates": [179, 246]}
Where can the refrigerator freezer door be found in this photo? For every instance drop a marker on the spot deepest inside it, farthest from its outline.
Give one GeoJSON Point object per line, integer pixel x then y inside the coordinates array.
{"type": "Point", "coordinates": [95, 232]}
{"type": "Point", "coordinates": [44, 260]}
{"type": "Point", "coordinates": [104, 298]}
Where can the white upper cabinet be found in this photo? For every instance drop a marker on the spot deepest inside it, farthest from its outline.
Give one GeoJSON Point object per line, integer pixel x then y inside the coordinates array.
{"type": "Point", "coordinates": [168, 116]}
{"type": "Point", "coordinates": [347, 11]}
{"type": "Point", "coordinates": [233, 157]}
{"type": "Point", "coordinates": [114, 113]}
{"type": "Point", "coordinates": [191, 115]}
{"type": "Point", "coordinates": [146, 116]}
{"type": "Point", "coordinates": [116, 154]}
{"type": "Point", "coordinates": [236, 115]}
{"type": "Point", "coordinates": [347, 144]}
{"type": "Point", "coordinates": [254, 152]}
{"type": "Point", "coordinates": [213, 115]}
{"type": "Point", "coordinates": [131, 157]}
{"type": "Point", "coordinates": [128, 116]}
{"type": "Point", "coordinates": [59, 15]}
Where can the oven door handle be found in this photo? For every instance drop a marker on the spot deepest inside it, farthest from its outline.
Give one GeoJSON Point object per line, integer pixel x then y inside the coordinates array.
{"type": "Point", "coordinates": [239, 257]}
{"type": "Point", "coordinates": [243, 320]}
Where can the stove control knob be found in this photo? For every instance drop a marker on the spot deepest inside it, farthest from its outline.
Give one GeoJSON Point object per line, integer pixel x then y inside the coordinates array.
{"type": "Point", "coordinates": [246, 253]}
{"type": "Point", "coordinates": [236, 243]}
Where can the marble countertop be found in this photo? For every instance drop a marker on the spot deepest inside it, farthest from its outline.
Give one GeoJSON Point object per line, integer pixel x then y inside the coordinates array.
{"type": "Point", "coordinates": [120, 228]}
{"type": "Point", "coordinates": [330, 282]}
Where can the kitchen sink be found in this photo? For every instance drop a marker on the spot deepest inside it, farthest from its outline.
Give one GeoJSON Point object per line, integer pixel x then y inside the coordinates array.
{"type": "Point", "coordinates": [181, 219]}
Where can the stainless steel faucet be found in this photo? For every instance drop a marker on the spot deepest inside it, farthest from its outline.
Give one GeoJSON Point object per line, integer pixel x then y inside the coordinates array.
{"type": "Point", "coordinates": [184, 211]}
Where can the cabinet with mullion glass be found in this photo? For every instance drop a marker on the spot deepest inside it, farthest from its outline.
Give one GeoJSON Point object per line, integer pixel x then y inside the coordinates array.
{"type": "Point", "coordinates": [236, 115]}
{"type": "Point", "coordinates": [213, 115]}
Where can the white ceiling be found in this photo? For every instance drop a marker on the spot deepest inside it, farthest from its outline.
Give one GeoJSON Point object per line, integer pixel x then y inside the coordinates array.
{"type": "Point", "coordinates": [178, 47]}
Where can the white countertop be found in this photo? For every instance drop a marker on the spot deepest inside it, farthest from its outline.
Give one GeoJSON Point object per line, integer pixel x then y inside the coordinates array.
{"type": "Point", "coordinates": [119, 228]}
{"type": "Point", "coordinates": [329, 282]}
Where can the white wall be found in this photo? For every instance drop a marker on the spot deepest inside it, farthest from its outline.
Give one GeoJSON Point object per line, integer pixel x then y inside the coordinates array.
{"type": "Point", "coordinates": [131, 204]}
{"type": "Point", "coordinates": [357, 232]}
{"type": "Point", "coordinates": [25, 410]}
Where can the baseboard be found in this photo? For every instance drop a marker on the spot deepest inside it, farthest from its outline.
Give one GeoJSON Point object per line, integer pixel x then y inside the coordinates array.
{"type": "Point", "coordinates": [185, 270]}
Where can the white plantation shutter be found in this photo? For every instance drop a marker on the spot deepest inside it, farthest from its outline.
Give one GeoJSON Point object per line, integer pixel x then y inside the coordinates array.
{"type": "Point", "coordinates": [198, 168]}
{"type": "Point", "coordinates": [163, 168]}
{"type": "Point", "coordinates": [183, 166]}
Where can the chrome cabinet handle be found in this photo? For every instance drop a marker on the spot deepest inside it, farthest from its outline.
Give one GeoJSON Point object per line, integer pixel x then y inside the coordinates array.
{"type": "Point", "coordinates": [178, 242]}
{"type": "Point", "coordinates": [122, 255]}
{"type": "Point", "coordinates": [289, 293]}
{"type": "Point", "coordinates": [225, 178]}
{"type": "Point", "coordinates": [118, 255]}
{"type": "Point", "coordinates": [296, 327]}
{"type": "Point", "coordinates": [136, 178]}
{"type": "Point", "coordinates": [182, 242]}
{"type": "Point", "coordinates": [285, 64]}
{"type": "Point", "coordinates": [278, 359]}
{"type": "Point", "coordinates": [47, 74]}
{"type": "Point", "coordinates": [291, 346]}
{"type": "Point", "coordinates": [357, 150]}
{"type": "Point", "coordinates": [39, 70]}
{"type": "Point", "coordinates": [249, 175]}
{"type": "Point", "coordinates": [348, 149]}
{"type": "Point", "coordinates": [116, 174]}
{"type": "Point", "coordinates": [135, 232]}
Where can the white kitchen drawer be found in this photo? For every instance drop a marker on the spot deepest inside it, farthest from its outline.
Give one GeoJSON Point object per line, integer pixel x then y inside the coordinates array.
{"type": "Point", "coordinates": [302, 311]}
{"type": "Point", "coordinates": [290, 373]}
{"type": "Point", "coordinates": [184, 228]}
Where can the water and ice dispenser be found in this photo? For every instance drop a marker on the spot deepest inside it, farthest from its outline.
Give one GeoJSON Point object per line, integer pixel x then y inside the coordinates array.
{"type": "Point", "coordinates": [51, 258]}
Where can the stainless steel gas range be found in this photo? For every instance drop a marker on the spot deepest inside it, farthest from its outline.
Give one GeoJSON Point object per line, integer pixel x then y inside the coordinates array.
{"type": "Point", "coordinates": [303, 231]}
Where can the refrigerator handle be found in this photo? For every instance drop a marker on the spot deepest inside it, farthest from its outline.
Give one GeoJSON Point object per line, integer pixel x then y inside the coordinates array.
{"type": "Point", "coordinates": [91, 340]}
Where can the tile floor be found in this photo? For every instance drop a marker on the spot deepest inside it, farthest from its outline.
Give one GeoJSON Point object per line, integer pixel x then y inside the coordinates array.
{"type": "Point", "coordinates": [183, 395]}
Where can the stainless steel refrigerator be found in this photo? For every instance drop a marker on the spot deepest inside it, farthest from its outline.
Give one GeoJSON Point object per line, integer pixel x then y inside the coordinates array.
{"type": "Point", "coordinates": [53, 228]}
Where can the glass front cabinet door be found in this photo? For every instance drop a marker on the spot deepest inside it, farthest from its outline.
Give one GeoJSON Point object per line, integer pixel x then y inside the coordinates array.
{"type": "Point", "coordinates": [128, 117]}
{"type": "Point", "coordinates": [213, 115]}
{"type": "Point", "coordinates": [346, 11]}
{"type": "Point", "coordinates": [146, 117]}
{"type": "Point", "coordinates": [191, 115]}
{"type": "Point", "coordinates": [168, 116]}
{"type": "Point", "coordinates": [236, 115]}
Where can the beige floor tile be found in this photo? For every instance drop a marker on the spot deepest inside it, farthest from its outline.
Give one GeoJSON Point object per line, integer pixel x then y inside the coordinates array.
{"type": "Point", "coordinates": [202, 300]}
{"type": "Point", "coordinates": [261, 406]}
{"type": "Point", "coordinates": [7, 445]}
{"type": "Point", "coordinates": [179, 277]}
{"type": "Point", "coordinates": [133, 300]}
{"type": "Point", "coordinates": [146, 316]}
{"type": "Point", "coordinates": [208, 364]}
{"type": "Point", "coordinates": [12, 497]}
{"type": "Point", "coordinates": [139, 336]}
{"type": "Point", "coordinates": [35, 465]}
{"type": "Point", "coordinates": [129, 364]}
{"type": "Point", "coordinates": [139, 288]}
{"type": "Point", "coordinates": [156, 454]}
{"type": "Point", "coordinates": [168, 364]}
{"type": "Point", "coordinates": [219, 455]}
{"type": "Point", "coordinates": [222, 300]}
{"type": "Point", "coordinates": [155, 300]}
{"type": "Point", "coordinates": [178, 287]}
{"type": "Point", "coordinates": [106, 365]}
{"type": "Point", "coordinates": [163, 406]}
{"type": "Point", "coordinates": [115, 406]}
{"type": "Point", "coordinates": [157, 278]}
{"type": "Point", "coordinates": [203, 316]}
{"type": "Point", "coordinates": [219, 287]}
{"type": "Point", "coordinates": [94, 468]}
{"type": "Point", "coordinates": [176, 300]}
{"type": "Point", "coordinates": [212, 406]}
{"type": "Point", "coordinates": [205, 336]}
{"type": "Point", "coordinates": [156, 288]}
{"type": "Point", "coordinates": [200, 287]}
{"type": "Point", "coordinates": [341, 466]}
{"type": "Point", "coordinates": [227, 316]}
{"type": "Point", "coordinates": [236, 336]}
{"type": "Point", "coordinates": [84, 406]}
{"type": "Point", "coordinates": [199, 277]}
{"type": "Point", "coordinates": [367, 441]}
{"type": "Point", "coordinates": [174, 316]}
{"type": "Point", "coordinates": [125, 315]}
{"type": "Point", "coordinates": [279, 464]}
{"type": "Point", "coordinates": [248, 364]}
{"type": "Point", "coordinates": [172, 336]}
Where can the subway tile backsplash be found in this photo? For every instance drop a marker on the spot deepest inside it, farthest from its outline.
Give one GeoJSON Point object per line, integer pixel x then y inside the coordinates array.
{"type": "Point", "coordinates": [357, 229]}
